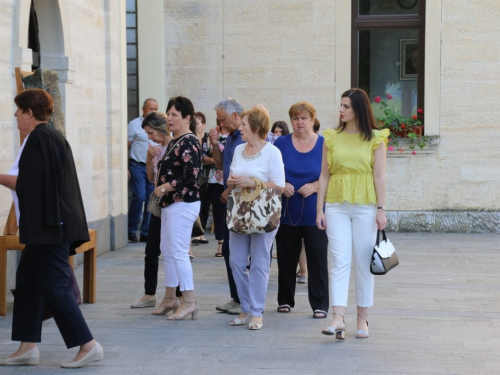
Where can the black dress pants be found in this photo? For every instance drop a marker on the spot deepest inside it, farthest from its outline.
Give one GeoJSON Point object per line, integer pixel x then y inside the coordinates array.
{"type": "Point", "coordinates": [152, 253]}
{"type": "Point", "coordinates": [288, 247]}
{"type": "Point", "coordinates": [218, 210]}
{"type": "Point", "coordinates": [43, 277]}
{"type": "Point", "coordinates": [225, 252]}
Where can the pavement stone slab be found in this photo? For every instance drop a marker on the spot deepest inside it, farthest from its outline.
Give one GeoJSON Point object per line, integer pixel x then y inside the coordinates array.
{"type": "Point", "coordinates": [438, 312]}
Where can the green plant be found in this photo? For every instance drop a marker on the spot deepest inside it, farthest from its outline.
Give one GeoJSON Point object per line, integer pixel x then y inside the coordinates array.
{"type": "Point", "coordinates": [387, 116]}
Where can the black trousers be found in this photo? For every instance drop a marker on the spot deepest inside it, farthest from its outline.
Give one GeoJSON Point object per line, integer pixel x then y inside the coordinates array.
{"type": "Point", "coordinates": [43, 278]}
{"type": "Point", "coordinates": [152, 253]}
{"type": "Point", "coordinates": [218, 210]}
{"type": "Point", "coordinates": [288, 246]}
{"type": "Point", "coordinates": [225, 252]}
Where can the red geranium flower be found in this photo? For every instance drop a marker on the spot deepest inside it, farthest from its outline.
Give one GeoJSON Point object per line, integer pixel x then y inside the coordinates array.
{"type": "Point", "coordinates": [414, 153]}
{"type": "Point", "coordinates": [378, 99]}
{"type": "Point", "coordinates": [403, 126]}
{"type": "Point", "coordinates": [414, 117]}
{"type": "Point", "coordinates": [420, 111]}
{"type": "Point", "coordinates": [389, 97]}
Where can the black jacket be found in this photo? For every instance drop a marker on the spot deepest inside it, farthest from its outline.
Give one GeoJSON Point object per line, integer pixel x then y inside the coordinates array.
{"type": "Point", "coordinates": [50, 202]}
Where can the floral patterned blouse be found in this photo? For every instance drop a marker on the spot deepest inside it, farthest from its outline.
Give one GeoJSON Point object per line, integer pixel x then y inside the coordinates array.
{"type": "Point", "coordinates": [181, 169]}
{"type": "Point", "coordinates": [213, 175]}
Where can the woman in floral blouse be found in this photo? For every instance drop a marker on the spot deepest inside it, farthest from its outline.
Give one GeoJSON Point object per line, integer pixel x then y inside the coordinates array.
{"type": "Point", "coordinates": [178, 192]}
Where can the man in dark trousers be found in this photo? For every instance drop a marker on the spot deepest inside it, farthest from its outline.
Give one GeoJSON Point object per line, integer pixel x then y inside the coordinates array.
{"type": "Point", "coordinates": [229, 115]}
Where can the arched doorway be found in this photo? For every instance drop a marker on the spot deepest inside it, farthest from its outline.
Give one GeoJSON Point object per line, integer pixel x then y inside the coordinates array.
{"type": "Point", "coordinates": [53, 43]}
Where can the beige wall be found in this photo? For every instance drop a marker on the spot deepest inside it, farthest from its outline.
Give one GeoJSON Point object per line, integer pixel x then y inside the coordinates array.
{"type": "Point", "coordinates": [279, 52]}
{"type": "Point", "coordinates": [270, 52]}
{"type": "Point", "coordinates": [84, 42]}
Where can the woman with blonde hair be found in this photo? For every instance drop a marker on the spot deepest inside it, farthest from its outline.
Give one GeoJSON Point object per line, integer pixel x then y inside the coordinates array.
{"type": "Point", "coordinates": [352, 182]}
{"type": "Point", "coordinates": [254, 159]}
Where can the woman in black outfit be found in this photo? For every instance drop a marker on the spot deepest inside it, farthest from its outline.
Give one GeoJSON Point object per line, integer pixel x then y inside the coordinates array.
{"type": "Point", "coordinates": [52, 225]}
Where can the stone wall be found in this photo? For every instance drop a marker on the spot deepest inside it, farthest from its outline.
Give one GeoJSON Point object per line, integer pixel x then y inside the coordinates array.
{"type": "Point", "coordinates": [279, 52]}
{"type": "Point", "coordinates": [270, 52]}
{"type": "Point", "coordinates": [463, 174]}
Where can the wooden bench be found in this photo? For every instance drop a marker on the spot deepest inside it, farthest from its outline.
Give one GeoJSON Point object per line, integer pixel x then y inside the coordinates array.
{"type": "Point", "coordinates": [11, 242]}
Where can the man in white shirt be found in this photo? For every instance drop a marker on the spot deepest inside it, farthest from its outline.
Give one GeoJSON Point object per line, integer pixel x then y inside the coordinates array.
{"type": "Point", "coordinates": [137, 141]}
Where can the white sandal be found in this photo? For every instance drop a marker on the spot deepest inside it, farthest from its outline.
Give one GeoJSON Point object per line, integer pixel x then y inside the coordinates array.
{"type": "Point", "coordinates": [238, 321]}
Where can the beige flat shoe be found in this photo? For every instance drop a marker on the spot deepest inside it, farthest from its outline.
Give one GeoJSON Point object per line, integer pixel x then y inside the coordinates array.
{"type": "Point", "coordinates": [30, 358]}
{"type": "Point", "coordinates": [140, 304]}
{"type": "Point", "coordinates": [96, 354]}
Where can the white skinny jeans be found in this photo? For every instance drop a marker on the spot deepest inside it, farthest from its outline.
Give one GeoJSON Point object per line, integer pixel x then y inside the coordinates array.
{"type": "Point", "coordinates": [176, 228]}
{"type": "Point", "coordinates": [351, 229]}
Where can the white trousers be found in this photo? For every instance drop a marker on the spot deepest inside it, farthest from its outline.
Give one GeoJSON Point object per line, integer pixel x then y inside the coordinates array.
{"type": "Point", "coordinates": [351, 230]}
{"type": "Point", "coordinates": [176, 227]}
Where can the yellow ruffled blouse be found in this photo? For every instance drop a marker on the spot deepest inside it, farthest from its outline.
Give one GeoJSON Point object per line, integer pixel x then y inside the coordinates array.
{"type": "Point", "coordinates": [350, 161]}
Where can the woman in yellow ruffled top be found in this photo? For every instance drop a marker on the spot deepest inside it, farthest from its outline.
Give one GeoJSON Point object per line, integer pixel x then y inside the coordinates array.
{"type": "Point", "coordinates": [352, 191]}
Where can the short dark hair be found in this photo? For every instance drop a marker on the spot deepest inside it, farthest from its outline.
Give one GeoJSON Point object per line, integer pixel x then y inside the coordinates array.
{"type": "Point", "coordinates": [201, 116]}
{"type": "Point", "coordinates": [185, 107]}
{"type": "Point", "coordinates": [362, 108]}
{"type": "Point", "coordinates": [147, 100]}
{"type": "Point", "coordinates": [38, 101]}
{"type": "Point", "coordinates": [282, 125]}
{"type": "Point", "coordinates": [316, 125]}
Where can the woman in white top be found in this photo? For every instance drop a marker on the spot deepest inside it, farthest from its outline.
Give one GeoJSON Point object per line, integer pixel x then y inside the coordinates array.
{"type": "Point", "coordinates": [259, 159]}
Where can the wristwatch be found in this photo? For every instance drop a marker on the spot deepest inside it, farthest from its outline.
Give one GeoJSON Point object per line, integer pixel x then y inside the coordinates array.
{"type": "Point", "coordinates": [162, 190]}
{"type": "Point", "coordinates": [381, 208]}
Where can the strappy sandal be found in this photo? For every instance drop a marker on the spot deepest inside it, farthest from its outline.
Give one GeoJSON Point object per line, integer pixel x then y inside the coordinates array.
{"type": "Point", "coordinates": [361, 334]}
{"type": "Point", "coordinates": [284, 309]}
{"type": "Point", "coordinates": [240, 322]}
{"type": "Point", "coordinates": [255, 326]}
{"type": "Point", "coordinates": [166, 309]}
{"type": "Point", "coordinates": [319, 314]}
{"type": "Point", "coordinates": [338, 332]}
{"type": "Point", "coordinates": [219, 254]}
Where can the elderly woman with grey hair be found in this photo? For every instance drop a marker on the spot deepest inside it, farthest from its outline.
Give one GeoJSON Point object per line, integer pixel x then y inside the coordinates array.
{"type": "Point", "coordinates": [155, 126]}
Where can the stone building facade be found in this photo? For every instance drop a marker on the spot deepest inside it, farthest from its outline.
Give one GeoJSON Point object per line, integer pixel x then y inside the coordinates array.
{"type": "Point", "coordinates": [277, 52]}
{"type": "Point", "coordinates": [274, 52]}
{"type": "Point", "coordinates": [84, 42]}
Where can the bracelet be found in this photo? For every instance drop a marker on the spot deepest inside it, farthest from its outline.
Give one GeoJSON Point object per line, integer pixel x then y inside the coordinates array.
{"type": "Point", "coordinates": [381, 208]}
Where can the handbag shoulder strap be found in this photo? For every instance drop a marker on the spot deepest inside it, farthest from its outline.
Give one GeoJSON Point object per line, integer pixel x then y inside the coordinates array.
{"type": "Point", "coordinates": [169, 149]}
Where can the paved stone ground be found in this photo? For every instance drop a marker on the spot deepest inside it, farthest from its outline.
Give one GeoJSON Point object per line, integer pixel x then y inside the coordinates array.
{"type": "Point", "coordinates": [437, 313]}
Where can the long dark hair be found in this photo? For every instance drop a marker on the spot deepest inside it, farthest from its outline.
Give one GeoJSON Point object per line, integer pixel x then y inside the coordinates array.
{"type": "Point", "coordinates": [185, 107]}
{"type": "Point", "coordinates": [282, 125]}
{"type": "Point", "coordinates": [365, 121]}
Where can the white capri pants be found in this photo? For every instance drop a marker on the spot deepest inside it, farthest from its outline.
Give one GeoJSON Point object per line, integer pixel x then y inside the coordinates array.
{"type": "Point", "coordinates": [351, 229]}
{"type": "Point", "coordinates": [176, 227]}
